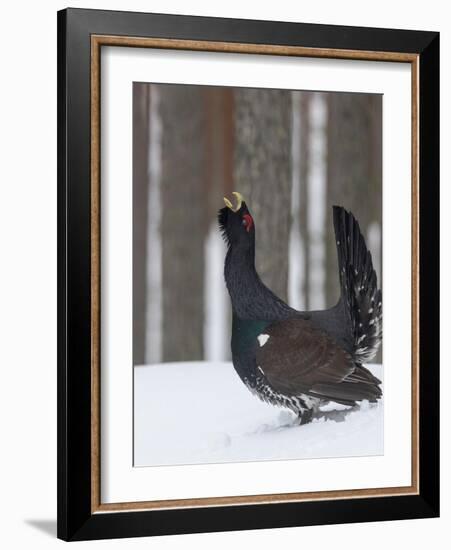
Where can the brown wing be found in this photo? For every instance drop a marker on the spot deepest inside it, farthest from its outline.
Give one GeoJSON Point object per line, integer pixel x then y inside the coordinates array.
{"type": "Point", "coordinates": [300, 358]}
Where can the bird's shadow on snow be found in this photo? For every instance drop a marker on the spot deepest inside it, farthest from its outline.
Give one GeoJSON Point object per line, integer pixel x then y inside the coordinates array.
{"type": "Point", "coordinates": [288, 420]}
{"type": "Point", "coordinates": [335, 415]}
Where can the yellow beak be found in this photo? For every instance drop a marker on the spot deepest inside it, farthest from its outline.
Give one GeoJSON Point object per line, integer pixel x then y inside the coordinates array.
{"type": "Point", "coordinates": [239, 199]}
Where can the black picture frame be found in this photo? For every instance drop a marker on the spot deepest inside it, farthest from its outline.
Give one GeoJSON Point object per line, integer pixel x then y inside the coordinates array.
{"type": "Point", "coordinates": [76, 519]}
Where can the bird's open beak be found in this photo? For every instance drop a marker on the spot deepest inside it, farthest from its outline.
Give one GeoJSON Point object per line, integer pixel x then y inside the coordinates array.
{"type": "Point", "coordinates": [239, 201]}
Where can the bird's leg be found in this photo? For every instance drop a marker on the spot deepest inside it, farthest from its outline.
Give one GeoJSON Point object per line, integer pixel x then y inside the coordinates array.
{"type": "Point", "coordinates": [305, 416]}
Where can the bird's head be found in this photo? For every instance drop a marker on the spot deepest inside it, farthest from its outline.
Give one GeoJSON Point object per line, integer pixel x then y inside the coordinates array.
{"type": "Point", "coordinates": [236, 224]}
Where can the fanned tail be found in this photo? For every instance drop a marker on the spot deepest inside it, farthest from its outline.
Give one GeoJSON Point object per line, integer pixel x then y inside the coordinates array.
{"type": "Point", "coordinates": [359, 292]}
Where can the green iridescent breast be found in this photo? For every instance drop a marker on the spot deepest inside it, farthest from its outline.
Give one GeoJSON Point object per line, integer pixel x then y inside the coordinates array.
{"type": "Point", "coordinates": [245, 332]}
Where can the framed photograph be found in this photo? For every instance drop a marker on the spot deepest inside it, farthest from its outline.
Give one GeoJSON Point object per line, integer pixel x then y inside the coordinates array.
{"type": "Point", "coordinates": [248, 274]}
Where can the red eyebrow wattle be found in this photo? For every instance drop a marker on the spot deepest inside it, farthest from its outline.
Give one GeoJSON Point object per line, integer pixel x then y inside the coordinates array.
{"type": "Point", "coordinates": [249, 221]}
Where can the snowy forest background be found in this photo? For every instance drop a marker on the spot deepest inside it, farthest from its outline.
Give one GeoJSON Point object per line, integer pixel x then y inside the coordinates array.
{"type": "Point", "coordinates": [292, 155]}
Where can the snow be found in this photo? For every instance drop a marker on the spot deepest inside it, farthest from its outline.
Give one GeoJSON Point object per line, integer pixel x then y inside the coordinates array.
{"type": "Point", "coordinates": [201, 412]}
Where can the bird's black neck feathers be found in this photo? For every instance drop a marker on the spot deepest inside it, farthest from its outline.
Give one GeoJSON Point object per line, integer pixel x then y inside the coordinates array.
{"type": "Point", "coordinates": [251, 299]}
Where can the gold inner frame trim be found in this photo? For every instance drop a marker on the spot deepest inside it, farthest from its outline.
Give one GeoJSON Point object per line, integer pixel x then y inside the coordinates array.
{"type": "Point", "coordinates": [97, 41]}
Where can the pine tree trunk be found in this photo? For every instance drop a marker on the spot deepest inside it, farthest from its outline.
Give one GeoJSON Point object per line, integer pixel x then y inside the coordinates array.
{"type": "Point", "coordinates": [263, 175]}
{"type": "Point", "coordinates": [183, 222]}
{"type": "Point", "coordinates": [219, 175]}
{"type": "Point", "coordinates": [354, 169]}
{"type": "Point", "coordinates": [354, 174]}
{"type": "Point", "coordinates": [140, 195]}
{"type": "Point", "coordinates": [303, 199]}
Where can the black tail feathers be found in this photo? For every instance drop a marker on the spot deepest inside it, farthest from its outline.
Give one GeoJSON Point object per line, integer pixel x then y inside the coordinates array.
{"type": "Point", "coordinates": [359, 292]}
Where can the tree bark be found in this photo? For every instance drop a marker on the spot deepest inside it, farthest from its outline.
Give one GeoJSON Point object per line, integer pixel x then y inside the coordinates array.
{"type": "Point", "coordinates": [354, 174]}
{"type": "Point", "coordinates": [303, 188]}
{"type": "Point", "coordinates": [219, 174]}
{"type": "Point", "coordinates": [262, 174]}
{"type": "Point", "coordinates": [184, 221]}
{"type": "Point", "coordinates": [354, 169]}
{"type": "Point", "coordinates": [140, 196]}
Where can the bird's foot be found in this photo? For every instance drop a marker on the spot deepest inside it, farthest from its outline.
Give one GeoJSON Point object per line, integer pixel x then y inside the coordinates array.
{"type": "Point", "coordinates": [305, 416]}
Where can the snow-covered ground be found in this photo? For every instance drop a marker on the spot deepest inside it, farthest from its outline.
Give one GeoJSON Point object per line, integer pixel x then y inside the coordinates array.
{"type": "Point", "coordinates": [190, 413]}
